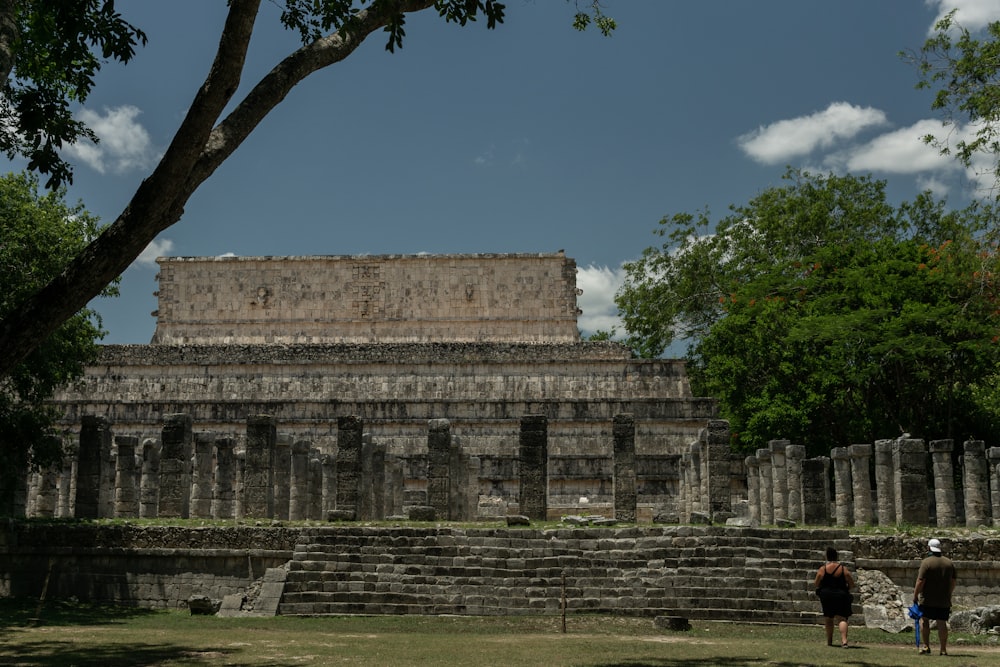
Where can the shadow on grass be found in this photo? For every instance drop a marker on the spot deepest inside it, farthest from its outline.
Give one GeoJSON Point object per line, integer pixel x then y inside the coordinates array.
{"type": "Point", "coordinates": [60, 654]}
{"type": "Point", "coordinates": [714, 661]}
{"type": "Point", "coordinates": [25, 612]}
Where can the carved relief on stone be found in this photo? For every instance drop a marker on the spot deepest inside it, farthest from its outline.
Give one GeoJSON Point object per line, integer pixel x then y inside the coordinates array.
{"type": "Point", "coordinates": [368, 292]}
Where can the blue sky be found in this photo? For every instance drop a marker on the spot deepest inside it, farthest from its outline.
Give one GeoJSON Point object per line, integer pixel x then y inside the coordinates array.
{"type": "Point", "coordinates": [529, 138]}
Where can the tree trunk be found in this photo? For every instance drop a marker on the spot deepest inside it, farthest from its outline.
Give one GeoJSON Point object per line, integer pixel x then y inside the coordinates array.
{"type": "Point", "coordinates": [195, 152]}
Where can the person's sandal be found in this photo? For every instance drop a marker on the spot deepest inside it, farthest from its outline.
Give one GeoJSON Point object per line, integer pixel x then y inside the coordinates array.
{"type": "Point", "coordinates": [844, 645]}
{"type": "Point", "coordinates": [944, 652]}
{"type": "Point", "coordinates": [925, 650]}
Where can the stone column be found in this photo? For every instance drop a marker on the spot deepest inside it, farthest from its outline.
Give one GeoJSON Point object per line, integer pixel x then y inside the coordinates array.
{"type": "Point", "coordinates": [794, 454]}
{"type": "Point", "coordinates": [202, 480]}
{"type": "Point", "coordinates": [438, 466]}
{"type": "Point", "coordinates": [720, 493]}
{"type": "Point", "coordinates": [975, 483]}
{"type": "Point", "coordinates": [258, 473]}
{"type": "Point", "coordinates": [241, 473]}
{"type": "Point", "coordinates": [779, 478]}
{"type": "Point", "coordinates": [766, 487]}
{"type": "Point", "coordinates": [912, 498]}
{"type": "Point", "coordinates": [314, 508]}
{"type": "Point", "coordinates": [885, 483]}
{"type": "Point", "coordinates": [753, 489]}
{"type": "Point", "coordinates": [378, 481]}
{"type": "Point", "coordinates": [47, 493]}
{"type": "Point", "coordinates": [458, 476]}
{"type": "Point", "coordinates": [175, 461]}
{"type": "Point", "coordinates": [149, 481]}
{"type": "Point", "coordinates": [329, 462]}
{"type": "Point", "coordinates": [624, 480]}
{"type": "Point", "coordinates": [993, 454]}
{"type": "Point", "coordinates": [126, 495]}
{"type": "Point", "coordinates": [533, 481]}
{"type": "Point", "coordinates": [94, 452]}
{"type": "Point", "coordinates": [944, 481]}
{"type": "Point", "coordinates": [816, 491]}
{"type": "Point", "coordinates": [684, 487]}
{"type": "Point", "coordinates": [396, 483]}
{"type": "Point", "coordinates": [861, 479]}
{"type": "Point", "coordinates": [224, 493]}
{"type": "Point", "coordinates": [843, 506]}
{"type": "Point", "coordinates": [282, 475]}
{"type": "Point", "coordinates": [698, 502]}
{"type": "Point", "coordinates": [298, 501]}
{"type": "Point", "coordinates": [64, 509]}
{"type": "Point", "coordinates": [349, 433]}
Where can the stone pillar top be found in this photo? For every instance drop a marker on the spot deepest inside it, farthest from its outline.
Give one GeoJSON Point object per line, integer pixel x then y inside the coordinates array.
{"type": "Point", "coordinates": [752, 462]}
{"type": "Point", "coordinates": [910, 445]}
{"type": "Point", "coordinates": [857, 451]}
{"type": "Point", "coordinates": [795, 451]}
{"type": "Point", "coordinates": [777, 446]}
{"type": "Point", "coordinates": [993, 453]}
{"type": "Point", "coordinates": [883, 445]}
{"type": "Point", "coordinates": [974, 447]}
{"type": "Point", "coordinates": [941, 446]}
{"type": "Point", "coordinates": [838, 453]}
{"type": "Point", "coordinates": [763, 455]}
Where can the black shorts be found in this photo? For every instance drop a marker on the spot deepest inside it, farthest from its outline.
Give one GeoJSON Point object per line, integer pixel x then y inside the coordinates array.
{"type": "Point", "coordinates": [935, 613]}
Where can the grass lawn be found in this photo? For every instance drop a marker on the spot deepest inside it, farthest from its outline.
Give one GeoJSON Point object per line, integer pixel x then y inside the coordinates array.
{"type": "Point", "coordinates": [66, 634]}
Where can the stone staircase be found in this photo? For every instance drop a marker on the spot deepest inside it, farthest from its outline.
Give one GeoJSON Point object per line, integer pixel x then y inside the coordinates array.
{"type": "Point", "coordinates": [708, 572]}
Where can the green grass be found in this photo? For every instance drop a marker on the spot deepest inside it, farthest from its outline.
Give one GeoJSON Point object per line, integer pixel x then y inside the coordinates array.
{"type": "Point", "coordinates": [88, 636]}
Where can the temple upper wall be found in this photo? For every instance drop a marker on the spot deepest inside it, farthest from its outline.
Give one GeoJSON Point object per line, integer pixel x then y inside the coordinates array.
{"type": "Point", "coordinates": [366, 299]}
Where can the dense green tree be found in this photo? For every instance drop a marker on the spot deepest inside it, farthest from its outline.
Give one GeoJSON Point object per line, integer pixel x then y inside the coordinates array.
{"type": "Point", "coordinates": [50, 53]}
{"type": "Point", "coordinates": [820, 313]}
{"type": "Point", "coordinates": [965, 73]}
{"type": "Point", "coordinates": [39, 235]}
{"type": "Point", "coordinates": [331, 30]}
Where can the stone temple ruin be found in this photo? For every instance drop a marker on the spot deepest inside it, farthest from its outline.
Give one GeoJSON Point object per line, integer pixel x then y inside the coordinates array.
{"type": "Point", "coordinates": [452, 387]}
{"type": "Point", "coordinates": [398, 366]}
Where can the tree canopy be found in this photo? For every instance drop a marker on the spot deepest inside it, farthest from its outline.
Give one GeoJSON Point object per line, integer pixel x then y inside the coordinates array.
{"type": "Point", "coordinates": [818, 312]}
{"type": "Point", "coordinates": [50, 53]}
{"type": "Point", "coordinates": [39, 235]}
{"type": "Point", "coordinates": [330, 31]}
{"type": "Point", "coordinates": [965, 73]}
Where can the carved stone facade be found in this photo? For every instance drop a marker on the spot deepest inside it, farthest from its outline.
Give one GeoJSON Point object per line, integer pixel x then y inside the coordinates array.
{"type": "Point", "coordinates": [398, 341]}
{"type": "Point", "coordinates": [365, 299]}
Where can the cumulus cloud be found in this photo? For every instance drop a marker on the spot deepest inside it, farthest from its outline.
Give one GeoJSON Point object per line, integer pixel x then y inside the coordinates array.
{"type": "Point", "coordinates": [124, 143]}
{"type": "Point", "coordinates": [795, 137]}
{"type": "Point", "coordinates": [599, 285]}
{"type": "Point", "coordinates": [971, 14]}
{"type": "Point", "coordinates": [901, 151]}
{"type": "Point", "coordinates": [158, 248]}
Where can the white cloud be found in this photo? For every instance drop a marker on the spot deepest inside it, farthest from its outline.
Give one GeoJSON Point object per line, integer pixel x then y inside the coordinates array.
{"type": "Point", "coordinates": [124, 143]}
{"type": "Point", "coordinates": [784, 139]}
{"type": "Point", "coordinates": [971, 14]}
{"type": "Point", "coordinates": [599, 285]}
{"type": "Point", "coordinates": [158, 248]}
{"type": "Point", "coordinates": [901, 151]}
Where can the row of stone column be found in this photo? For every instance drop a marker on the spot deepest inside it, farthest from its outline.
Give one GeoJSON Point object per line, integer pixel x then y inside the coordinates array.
{"type": "Point", "coordinates": [785, 487]}
{"type": "Point", "coordinates": [706, 476]}
{"type": "Point", "coordinates": [189, 474]}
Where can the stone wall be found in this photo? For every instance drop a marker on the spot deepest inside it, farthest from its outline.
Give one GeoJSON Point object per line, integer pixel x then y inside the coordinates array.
{"type": "Point", "coordinates": [383, 298]}
{"type": "Point", "coordinates": [722, 573]}
{"type": "Point", "coordinates": [136, 566]}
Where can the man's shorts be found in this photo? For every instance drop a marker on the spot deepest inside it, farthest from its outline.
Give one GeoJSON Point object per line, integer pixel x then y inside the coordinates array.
{"type": "Point", "coordinates": [935, 613]}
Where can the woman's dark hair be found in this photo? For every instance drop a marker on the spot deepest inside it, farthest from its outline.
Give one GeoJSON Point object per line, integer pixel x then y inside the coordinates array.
{"type": "Point", "coordinates": [831, 553]}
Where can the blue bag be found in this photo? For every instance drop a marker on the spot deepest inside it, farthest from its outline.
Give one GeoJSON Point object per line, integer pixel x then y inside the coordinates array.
{"type": "Point", "coordinates": [916, 614]}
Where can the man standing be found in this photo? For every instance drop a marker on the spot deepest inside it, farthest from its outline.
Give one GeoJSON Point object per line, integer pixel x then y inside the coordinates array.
{"type": "Point", "coordinates": [936, 582]}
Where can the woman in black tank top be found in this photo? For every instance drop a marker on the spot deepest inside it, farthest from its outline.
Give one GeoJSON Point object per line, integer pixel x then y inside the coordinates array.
{"type": "Point", "coordinates": [833, 586]}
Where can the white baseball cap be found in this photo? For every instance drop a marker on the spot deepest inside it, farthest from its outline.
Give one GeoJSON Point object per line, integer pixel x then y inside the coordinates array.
{"type": "Point", "coordinates": [934, 545]}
